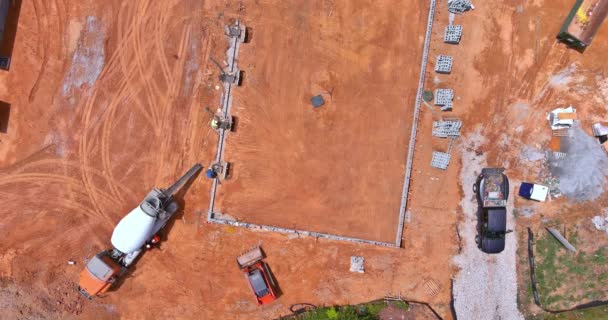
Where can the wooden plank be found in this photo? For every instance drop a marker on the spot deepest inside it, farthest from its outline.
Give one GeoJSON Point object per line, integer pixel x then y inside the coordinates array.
{"type": "Point", "coordinates": [555, 144]}
{"type": "Point", "coordinates": [567, 116]}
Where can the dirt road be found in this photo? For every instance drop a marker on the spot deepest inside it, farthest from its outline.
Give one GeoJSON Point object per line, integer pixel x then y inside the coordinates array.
{"type": "Point", "coordinates": [486, 285]}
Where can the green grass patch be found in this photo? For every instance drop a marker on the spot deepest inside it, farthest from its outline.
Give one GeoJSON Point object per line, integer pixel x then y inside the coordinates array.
{"type": "Point", "coordinates": [402, 305]}
{"type": "Point", "coordinates": [566, 279]}
{"type": "Point", "coordinates": [365, 311]}
{"type": "Point", "coordinates": [597, 313]}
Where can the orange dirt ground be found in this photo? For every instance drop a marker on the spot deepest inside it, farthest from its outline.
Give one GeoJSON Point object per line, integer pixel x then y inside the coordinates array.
{"type": "Point", "coordinates": [337, 169]}
{"type": "Point", "coordinates": [107, 102]}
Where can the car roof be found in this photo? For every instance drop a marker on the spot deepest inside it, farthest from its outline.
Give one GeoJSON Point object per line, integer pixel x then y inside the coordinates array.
{"type": "Point", "coordinates": [99, 268]}
{"type": "Point", "coordinates": [257, 282]}
{"type": "Point", "coordinates": [497, 219]}
{"type": "Point", "coordinates": [491, 245]}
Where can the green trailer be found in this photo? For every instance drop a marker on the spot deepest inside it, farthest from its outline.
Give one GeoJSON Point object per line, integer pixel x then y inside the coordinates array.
{"type": "Point", "coordinates": [582, 23]}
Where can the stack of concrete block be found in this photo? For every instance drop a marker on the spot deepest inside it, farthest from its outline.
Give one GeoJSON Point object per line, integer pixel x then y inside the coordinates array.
{"type": "Point", "coordinates": [447, 128]}
{"type": "Point", "coordinates": [444, 98]}
{"type": "Point", "coordinates": [440, 160]}
{"type": "Point", "coordinates": [443, 64]}
{"type": "Point", "coordinates": [459, 6]}
{"type": "Point", "coordinates": [452, 34]}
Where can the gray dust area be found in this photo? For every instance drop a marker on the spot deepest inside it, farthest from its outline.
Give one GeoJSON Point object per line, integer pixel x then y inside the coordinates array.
{"type": "Point", "coordinates": [582, 173]}
{"type": "Point", "coordinates": [531, 154]}
{"type": "Point", "coordinates": [88, 59]}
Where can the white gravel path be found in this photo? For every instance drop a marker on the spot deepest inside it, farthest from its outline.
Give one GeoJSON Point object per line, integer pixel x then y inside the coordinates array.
{"type": "Point", "coordinates": [486, 285]}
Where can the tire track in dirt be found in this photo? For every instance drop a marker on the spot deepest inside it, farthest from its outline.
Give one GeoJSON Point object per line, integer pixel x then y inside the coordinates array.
{"type": "Point", "coordinates": [122, 43]}
{"type": "Point", "coordinates": [88, 110]}
{"type": "Point", "coordinates": [17, 198]}
{"type": "Point", "coordinates": [132, 42]}
{"type": "Point", "coordinates": [139, 57]}
{"type": "Point", "coordinates": [106, 160]}
{"type": "Point", "coordinates": [66, 163]}
{"type": "Point", "coordinates": [158, 38]}
{"type": "Point", "coordinates": [194, 145]}
{"type": "Point", "coordinates": [45, 178]}
{"type": "Point", "coordinates": [124, 62]}
{"type": "Point", "coordinates": [184, 41]}
{"type": "Point", "coordinates": [60, 9]}
{"type": "Point", "coordinates": [41, 18]}
{"type": "Point", "coordinates": [174, 87]}
{"type": "Point", "coordinates": [125, 91]}
{"type": "Point", "coordinates": [88, 184]}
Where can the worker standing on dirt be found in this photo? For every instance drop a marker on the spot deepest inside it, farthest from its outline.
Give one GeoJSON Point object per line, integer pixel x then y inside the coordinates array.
{"type": "Point", "coordinates": [219, 122]}
{"type": "Point", "coordinates": [211, 173]}
{"type": "Point", "coordinates": [215, 122]}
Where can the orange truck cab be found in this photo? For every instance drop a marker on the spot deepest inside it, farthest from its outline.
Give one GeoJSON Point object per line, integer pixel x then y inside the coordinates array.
{"type": "Point", "coordinates": [99, 275]}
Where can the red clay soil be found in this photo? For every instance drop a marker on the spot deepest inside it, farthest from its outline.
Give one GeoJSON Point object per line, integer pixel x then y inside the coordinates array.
{"type": "Point", "coordinates": [81, 151]}
{"type": "Point", "coordinates": [337, 169]}
{"type": "Point", "coordinates": [107, 102]}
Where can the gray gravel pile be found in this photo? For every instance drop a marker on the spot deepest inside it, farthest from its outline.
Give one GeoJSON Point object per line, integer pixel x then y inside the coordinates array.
{"type": "Point", "coordinates": [582, 173]}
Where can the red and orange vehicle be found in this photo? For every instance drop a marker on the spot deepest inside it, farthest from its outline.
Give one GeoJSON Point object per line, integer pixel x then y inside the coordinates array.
{"type": "Point", "coordinates": [258, 275]}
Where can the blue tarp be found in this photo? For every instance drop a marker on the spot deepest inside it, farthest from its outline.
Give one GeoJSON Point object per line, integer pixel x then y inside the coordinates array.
{"type": "Point", "coordinates": [525, 190]}
{"type": "Point", "coordinates": [317, 101]}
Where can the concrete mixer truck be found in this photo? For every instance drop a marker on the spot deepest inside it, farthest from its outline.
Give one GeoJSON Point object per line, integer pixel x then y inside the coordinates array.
{"type": "Point", "coordinates": [137, 231]}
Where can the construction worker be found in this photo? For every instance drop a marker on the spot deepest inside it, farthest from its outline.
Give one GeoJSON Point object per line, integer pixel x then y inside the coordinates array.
{"type": "Point", "coordinates": [215, 123]}
{"type": "Point", "coordinates": [219, 122]}
{"type": "Point", "coordinates": [153, 242]}
{"type": "Point", "coordinates": [211, 173]}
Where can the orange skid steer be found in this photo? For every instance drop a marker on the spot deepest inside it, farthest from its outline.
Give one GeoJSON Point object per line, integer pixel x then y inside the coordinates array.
{"type": "Point", "coordinates": [258, 275]}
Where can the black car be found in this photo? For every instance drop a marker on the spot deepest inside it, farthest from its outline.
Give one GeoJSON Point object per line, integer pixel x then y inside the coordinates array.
{"type": "Point", "coordinates": [492, 188]}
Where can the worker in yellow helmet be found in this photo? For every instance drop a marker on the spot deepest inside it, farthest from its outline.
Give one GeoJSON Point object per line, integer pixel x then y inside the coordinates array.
{"type": "Point", "coordinates": [215, 123]}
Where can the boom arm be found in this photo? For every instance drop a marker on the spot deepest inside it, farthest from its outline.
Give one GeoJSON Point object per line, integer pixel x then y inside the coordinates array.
{"type": "Point", "coordinates": [171, 190]}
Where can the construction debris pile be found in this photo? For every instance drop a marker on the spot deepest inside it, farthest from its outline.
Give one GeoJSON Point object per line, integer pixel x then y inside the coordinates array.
{"type": "Point", "coordinates": [601, 222]}
{"type": "Point", "coordinates": [447, 128]}
{"type": "Point", "coordinates": [356, 264]}
{"type": "Point", "coordinates": [460, 6]}
{"type": "Point", "coordinates": [600, 131]}
{"type": "Point", "coordinates": [560, 120]}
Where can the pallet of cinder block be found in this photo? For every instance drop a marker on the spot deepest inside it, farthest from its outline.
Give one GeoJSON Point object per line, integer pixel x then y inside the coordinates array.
{"type": "Point", "coordinates": [443, 96]}
{"type": "Point", "coordinates": [440, 160]}
{"type": "Point", "coordinates": [452, 34]}
{"type": "Point", "coordinates": [443, 64]}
